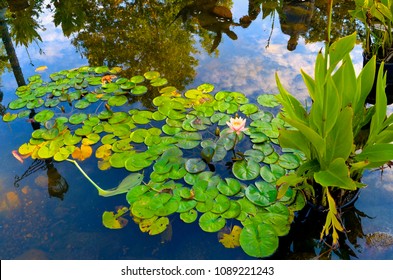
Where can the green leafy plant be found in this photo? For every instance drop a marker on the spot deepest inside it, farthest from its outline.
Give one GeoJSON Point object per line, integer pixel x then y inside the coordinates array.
{"type": "Point", "coordinates": [333, 134]}
{"type": "Point", "coordinates": [377, 18]}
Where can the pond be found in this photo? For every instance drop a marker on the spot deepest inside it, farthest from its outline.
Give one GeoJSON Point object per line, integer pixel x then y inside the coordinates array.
{"type": "Point", "coordinates": [237, 46]}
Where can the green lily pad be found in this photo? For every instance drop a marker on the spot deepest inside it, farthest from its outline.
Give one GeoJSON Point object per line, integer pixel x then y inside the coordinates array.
{"type": "Point", "coordinates": [206, 88]}
{"type": "Point", "coordinates": [158, 82]}
{"type": "Point", "coordinates": [211, 222]}
{"type": "Point", "coordinates": [50, 134]}
{"type": "Point", "coordinates": [118, 160]}
{"type": "Point", "coordinates": [268, 100]}
{"type": "Point", "coordinates": [233, 211]}
{"type": "Point", "coordinates": [82, 104]}
{"type": "Point", "coordinates": [255, 155]}
{"type": "Point", "coordinates": [261, 193]}
{"type": "Point", "coordinates": [195, 165]}
{"type": "Point", "coordinates": [289, 161]}
{"type": "Point", "coordinates": [230, 187]}
{"type": "Point", "coordinates": [168, 208]}
{"type": "Point", "coordinates": [258, 240]}
{"type": "Point", "coordinates": [17, 104]}
{"type": "Point", "coordinates": [52, 103]}
{"type": "Point", "coordinates": [248, 109]}
{"type": "Point", "coordinates": [221, 204]}
{"type": "Point", "coordinates": [151, 75]}
{"type": "Point", "coordinates": [43, 116]}
{"type": "Point", "coordinates": [188, 140]}
{"type": "Point", "coordinates": [186, 205]}
{"type": "Point", "coordinates": [155, 225]}
{"type": "Point", "coordinates": [246, 169]}
{"type": "Point", "coordinates": [117, 100]}
{"type": "Point", "coordinates": [77, 118]}
{"type": "Point", "coordinates": [266, 148]}
{"type": "Point", "coordinates": [139, 90]}
{"type": "Point", "coordinates": [271, 159]}
{"type": "Point", "coordinates": [136, 192]}
{"type": "Point", "coordinates": [141, 209]}
{"type": "Point", "coordinates": [189, 217]}
{"type": "Point", "coordinates": [127, 85]}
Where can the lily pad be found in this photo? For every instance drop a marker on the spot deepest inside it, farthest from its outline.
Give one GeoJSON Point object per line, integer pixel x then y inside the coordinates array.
{"type": "Point", "coordinates": [230, 187]}
{"type": "Point", "coordinates": [8, 117]}
{"type": "Point", "coordinates": [268, 100]}
{"type": "Point", "coordinates": [289, 161]}
{"type": "Point", "coordinates": [77, 118]}
{"type": "Point", "coordinates": [115, 221]}
{"type": "Point", "coordinates": [258, 240]}
{"type": "Point", "coordinates": [195, 165]}
{"type": "Point", "coordinates": [189, 217]}
{"type": "Point", "coordinates": [151, 75]}
{"type": "Point", "coordinates": [17, 104]}
{"type": "Point", "coordinates": [211, 222]}
{"type": "Point", "coordinates": [139, 90]}
{"type": "Point", "coordinates": [261, 193]}
{"type": "Point", "coordinates": [246, 169]}
{"type": "Point", "coordinates": [117, 100]}
{"type": "Point", "coordinates": [43, 116]}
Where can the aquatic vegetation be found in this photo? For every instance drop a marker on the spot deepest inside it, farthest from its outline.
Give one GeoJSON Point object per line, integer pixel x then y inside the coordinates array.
{"type": "Point", "coordinates": [211, 158]}
{"type": "Point", "coordinates": [339, 135]}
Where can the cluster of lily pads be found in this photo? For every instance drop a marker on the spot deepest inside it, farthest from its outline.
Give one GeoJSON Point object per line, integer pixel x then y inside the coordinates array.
{"type": "Point", "coordinates": [182, 156]}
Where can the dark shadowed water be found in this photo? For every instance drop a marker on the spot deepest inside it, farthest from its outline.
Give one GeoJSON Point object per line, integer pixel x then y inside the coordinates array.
{"type": "Point", "coordinates": [242, 54]}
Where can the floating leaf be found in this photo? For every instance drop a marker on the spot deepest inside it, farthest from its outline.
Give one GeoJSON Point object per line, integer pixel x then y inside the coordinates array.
{"type": "Point", "coordinates": [230, 187]}
{"type": "Point", "coordinates": [115, 221]}
{"type": "Point", "coordinates": [44, 116]}
{"type": "Point", "coordinates": [206, 88]}
{"type": "Point", "coordinates": [82, 153]}
{"type": "Point", "coordinates": [248, 109]}
{"type": "Point", "coordinates": [246, 169]}
{"type": "Point", "coordinates": [138, 90]}
{"type": "Point", "coordinates": [77, 118]}
{"type": "Point", "coordinates": [258, 240]}
{"type": "Point", "coordinates": [82, 104]}
{"type": "Point", "coordinates": [231, 240]}
{"type": "Point", "coordinates": [17, 104]}
{"type": "Point", "coordinates": [233, 211]}
{"type": "Point", "coordinates": [289, 161]}
{"type": "Point", "coordinates": [221, 204]}
{"type": "Point", "coordinates": [211, 222]}
{"type": "Point", "coordinates": [189, 217]}
{"type": "Point", "coordinates": [154, 225]}
{"type": "Point", "coordinates": [151, 75]}
{"type": "Point", "coordinates": [261, 193]}
{"type": "Point", "coordinates": [8, 117]}
{"type": "Point", "coordinates": [268, 100]}
{"type": "Point", "coordinates": [195, 165]}
{"type": "Point", "coordinates": [117, 100]}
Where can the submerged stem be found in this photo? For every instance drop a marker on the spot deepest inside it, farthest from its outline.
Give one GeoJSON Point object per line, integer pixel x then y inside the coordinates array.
{"type": "Point", "coordinates": [84, 174]}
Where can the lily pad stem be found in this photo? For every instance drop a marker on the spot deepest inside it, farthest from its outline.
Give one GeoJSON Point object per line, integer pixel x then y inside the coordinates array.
{"type": "Point", "coordinates": [84, 174]}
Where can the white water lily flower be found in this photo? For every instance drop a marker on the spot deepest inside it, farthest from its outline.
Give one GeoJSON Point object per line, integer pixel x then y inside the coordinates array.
{"type": "Point", "coordinates": [237, 125]}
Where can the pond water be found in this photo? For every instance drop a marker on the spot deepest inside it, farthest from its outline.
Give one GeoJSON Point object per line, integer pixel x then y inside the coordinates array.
{"type": "Point", "coordinates": [242, 54]}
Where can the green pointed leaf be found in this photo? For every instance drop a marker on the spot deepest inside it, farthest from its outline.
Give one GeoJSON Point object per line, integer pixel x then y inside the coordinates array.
{"type": "Point", "coordinates": [335, 176]}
